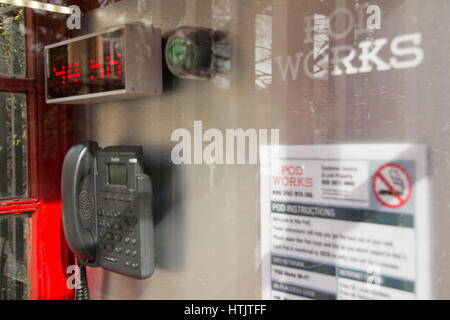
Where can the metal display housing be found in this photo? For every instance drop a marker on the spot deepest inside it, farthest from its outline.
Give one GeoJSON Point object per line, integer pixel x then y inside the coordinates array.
{"type": "Point", "coordinates": [141, 47]}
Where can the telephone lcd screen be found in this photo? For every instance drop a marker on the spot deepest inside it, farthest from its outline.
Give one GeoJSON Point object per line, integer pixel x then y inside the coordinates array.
{"type": "Point", "coordinates": [117, 174]}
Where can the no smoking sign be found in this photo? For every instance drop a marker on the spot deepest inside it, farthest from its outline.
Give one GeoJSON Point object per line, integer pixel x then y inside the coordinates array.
{"type": "Point", "coordinates": [392, 185]}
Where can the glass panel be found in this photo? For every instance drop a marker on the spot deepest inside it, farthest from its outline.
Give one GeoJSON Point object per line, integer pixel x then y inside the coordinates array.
{"type": "Point", "coordinates": [12, 41]}
{"type": "Point", "coordinates": [14, 255]}
{"type": "Point", "coordinates": [328, 73]}
{"type": "Point", "coordinates": [13, 146]}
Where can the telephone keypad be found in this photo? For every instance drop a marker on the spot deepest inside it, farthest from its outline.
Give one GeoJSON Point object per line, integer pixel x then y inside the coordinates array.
{"type": "Point", "coordinates": [111, 259]}
{"type": "Point", "coordinates": [117, 226]}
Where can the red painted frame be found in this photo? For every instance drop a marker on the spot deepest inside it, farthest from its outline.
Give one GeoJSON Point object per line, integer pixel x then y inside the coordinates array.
{"type": "Point", "coordinates": [48, 140]}
{"type": "Point", "coordinates": [51, 133]}
{"type": "Point", "coordinates": [28, 87]}
{"type": "Point", "coordinates": [52, 255]}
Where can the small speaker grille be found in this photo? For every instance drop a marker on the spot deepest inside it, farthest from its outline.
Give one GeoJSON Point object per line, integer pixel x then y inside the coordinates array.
{"type": "Point", "coordinates": [85, 204]}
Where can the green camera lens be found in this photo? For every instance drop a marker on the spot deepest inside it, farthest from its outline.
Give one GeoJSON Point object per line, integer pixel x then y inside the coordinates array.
{"type": "Point", "coordinates": [177, 51]}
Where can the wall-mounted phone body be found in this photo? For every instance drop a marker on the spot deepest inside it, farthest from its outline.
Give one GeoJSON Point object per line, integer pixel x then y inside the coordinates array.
{"type": "Point", "coordinates": [123, 62]}
{"type": "Point", "coordinates": [107, 214]}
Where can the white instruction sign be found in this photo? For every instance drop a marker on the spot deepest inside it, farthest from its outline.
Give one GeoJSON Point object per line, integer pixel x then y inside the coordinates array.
{"type": "Point", "coordinates": [345, 222]}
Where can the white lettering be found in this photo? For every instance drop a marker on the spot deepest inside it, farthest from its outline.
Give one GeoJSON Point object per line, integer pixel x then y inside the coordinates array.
{"type": "Point", "coordinates": [350, 20]}
{"type": "Point", "coordinates": [368, 56]}
{"type": "Point", "coordinates": [416, 53]}
{"type": "Point", "coordinates": [288, 66]}
{"type": "Point", "coordinates": [215, 147]}
{"type": "Point", "coordinates": [181, 153]}
{"type": "Point", "coordinates": [346, 61]}
{"type": "Point", "coordinates": [374, 21]}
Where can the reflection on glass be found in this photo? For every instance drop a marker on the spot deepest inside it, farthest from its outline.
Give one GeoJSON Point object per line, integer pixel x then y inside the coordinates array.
{"type": "Point", "coordinates": [12, 41]}
{"type": "Point", "coordinates": [263, 49]}
{"type": "Point", "coordinates": [321, 46]}
{"type": "Point", "coordinates": [14, 232]}
{"type": "Point", "coordinates": [13, 146]}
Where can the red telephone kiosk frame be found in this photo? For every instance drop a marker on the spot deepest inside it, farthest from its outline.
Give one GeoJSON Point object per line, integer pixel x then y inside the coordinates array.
{"type": "Point", "coordinates": [51, 132]}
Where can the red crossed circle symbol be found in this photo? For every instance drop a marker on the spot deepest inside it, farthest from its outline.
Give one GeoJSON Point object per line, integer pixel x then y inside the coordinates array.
{"type": "Point", "coordinates": [379, 179]}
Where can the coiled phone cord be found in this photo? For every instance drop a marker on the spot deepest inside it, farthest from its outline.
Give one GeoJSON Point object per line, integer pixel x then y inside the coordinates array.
{"type": "Point", "coordinates": [82, 291]}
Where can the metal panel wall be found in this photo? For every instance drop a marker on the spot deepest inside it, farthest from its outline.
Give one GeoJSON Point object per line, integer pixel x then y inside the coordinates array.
{"type": "Point", "coordinates": [207, 217]}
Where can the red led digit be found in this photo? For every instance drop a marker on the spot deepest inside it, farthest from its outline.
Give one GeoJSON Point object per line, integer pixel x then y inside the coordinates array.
{"type": "Point", "coordinates": [119, 72]}
{"type": "Point", "coordinates": [92, 77]}
{"type": "Point", "coordinates": [63, 67]}
{"type": "Point", "coordinates": [118, 55]}
{"type": "Point", "coordinates": [76, 80]}
{"type": "Point", "coordinates": [107, 58]}
{"type": "Point", "coordinates": [120, 67]}
{"type": "Point", "coordinates": [92, 61]}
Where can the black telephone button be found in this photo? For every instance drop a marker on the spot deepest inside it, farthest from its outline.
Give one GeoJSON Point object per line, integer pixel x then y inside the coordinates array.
{"type": "Point", "coordinates": [134, 265]}
{"type": "Point", "coordinates": [101, 223]}
{"type": "Point", "coordinates": [127, 239]}
{"type": "Point", "coordinates": [109, 213]}
{"type": "Point", "coordinates": [134, 253]}
{"type": "Point", "coordinates": [109, 247]}
{"type": "Point", "coordinates": [108, 224]}
{"type": "Point", "coordinates": [118, 249]}
{"type": "Point", "coordinates": [101, 234]}
{"type": "Point", "coordinates": [117, 237]}
{"type": "Point", "coordinates": [100, 212]}
{"type": "Point", "coordinates": [111, 259]}
{"type": "Point", "coordinates": [116, 226]}
{"type": "Point", "coordinates": [127, 263]}
{"type": "Point", "coordinates": [109, 235]}
{"type": "Point", "coordinates": [127, 252]}
{"type": "Point", "coordinates": [133, 241]}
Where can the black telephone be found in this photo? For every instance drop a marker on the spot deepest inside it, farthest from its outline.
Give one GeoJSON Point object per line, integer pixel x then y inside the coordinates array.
{"type": "Point", "coordinates": [106, 208]}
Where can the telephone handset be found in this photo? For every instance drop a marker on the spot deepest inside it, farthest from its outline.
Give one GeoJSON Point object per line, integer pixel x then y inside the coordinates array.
{"type": "Point", "coordinates": [106, 202]}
